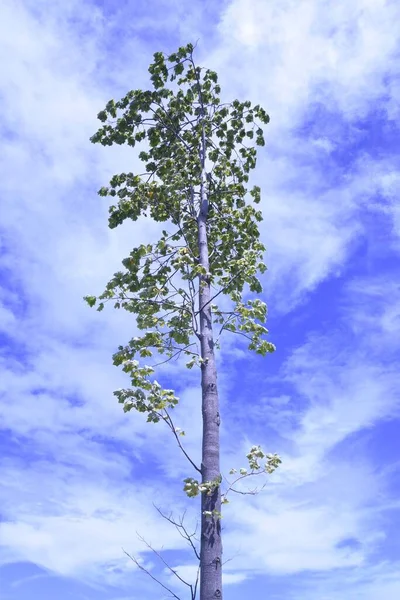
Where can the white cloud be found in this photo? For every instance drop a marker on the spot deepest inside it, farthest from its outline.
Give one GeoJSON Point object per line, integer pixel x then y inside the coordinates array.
{"type": "Point", "coordinates": [383, 293]}
{"type": "Point", "coordinates": [80, 501]}
{"type": "Point", "coordinates": [294, 55]}
{"type": "Point", "coordinates": [380, 580]}
{"type": "Point", "coordinates": [189, 573]}
{"type": "Point", "coordinates": [87, 513]}
{"type": "Point", "coordinates": [323, 508]}
{"type": "Point", "coordinates": [305, 51]}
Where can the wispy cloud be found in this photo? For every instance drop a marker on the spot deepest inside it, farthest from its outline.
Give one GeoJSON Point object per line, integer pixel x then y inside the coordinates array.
{"type": "Point", "coordinates": [78, 476]}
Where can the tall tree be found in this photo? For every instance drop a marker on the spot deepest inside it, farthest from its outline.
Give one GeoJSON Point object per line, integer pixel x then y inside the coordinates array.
{"type": "Point", "coordinates": [198, 156]}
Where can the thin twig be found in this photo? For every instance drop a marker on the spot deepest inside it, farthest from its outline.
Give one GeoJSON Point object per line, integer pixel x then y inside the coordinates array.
{"type": "Point", "coordinates": [150, 547]}
{"type": "Point", "coordinates": [133, 559]}
{"type": "Point", "coordinates": [171, 425]}
{"type": "Point", "coordinates": [180, 526]}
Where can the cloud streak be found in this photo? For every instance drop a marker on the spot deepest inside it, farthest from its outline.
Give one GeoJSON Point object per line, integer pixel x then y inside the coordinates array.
{"type": "Point", "coordinates": [77, 474]}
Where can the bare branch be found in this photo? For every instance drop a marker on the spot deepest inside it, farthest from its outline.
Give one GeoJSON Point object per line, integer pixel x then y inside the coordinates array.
{"type": "Point", "coordinates": [222, 290]}
{"type": "Point", "coordinates": [181, 528]}
{"type": "Point", "coordinates": [232, 315]}
{"type": "Point", "coordinates": [196, 582]}
{"type": "Point", "coordinates": [171, 425]}
{"type": "Point", "coordinates": [177, 353]}
{"type": "Point", "coordinates": [133, 559]}
{"type": "Point", "coordinates": [249, 492]}
{"type": "Point", "coordinates": [150, 547]}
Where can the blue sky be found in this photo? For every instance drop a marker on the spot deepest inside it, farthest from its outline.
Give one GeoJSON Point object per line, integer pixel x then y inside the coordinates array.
{"type": "Point", "coordinates": [78, 477]}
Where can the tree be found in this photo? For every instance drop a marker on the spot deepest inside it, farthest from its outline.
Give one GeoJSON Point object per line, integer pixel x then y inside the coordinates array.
{"type": "Point", "coordinates": [198, 157]}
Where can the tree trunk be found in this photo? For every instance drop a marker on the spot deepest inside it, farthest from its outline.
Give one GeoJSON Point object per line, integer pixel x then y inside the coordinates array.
{"type": "Point", "coordinates": [211, 543]}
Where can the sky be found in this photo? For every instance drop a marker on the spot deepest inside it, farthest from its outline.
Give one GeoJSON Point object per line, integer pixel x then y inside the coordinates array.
{"type": "Point", "coordinates": [78, 478]}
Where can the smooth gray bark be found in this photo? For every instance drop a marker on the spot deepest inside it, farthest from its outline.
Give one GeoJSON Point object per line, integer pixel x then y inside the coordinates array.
{"type": "Point", "coordinates": [211, 543]}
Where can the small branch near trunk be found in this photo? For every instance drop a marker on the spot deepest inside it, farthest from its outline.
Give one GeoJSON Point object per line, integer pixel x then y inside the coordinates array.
{"type": "Point", "coordinates": [134, 559]}
{"type": "Point", "coordinates": [181, 528]}
{"type": "Point", "coordinates": [168, 420]}
{"type": "Point", "coordinates": [159, 556]}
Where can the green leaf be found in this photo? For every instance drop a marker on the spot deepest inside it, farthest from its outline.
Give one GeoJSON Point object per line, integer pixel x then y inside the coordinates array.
{"type": "Point", "coordinates": [162, 285]}
{"type": "Point", "coordinates": [91, 300]}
